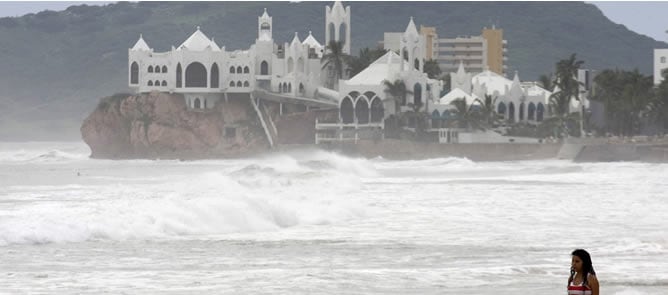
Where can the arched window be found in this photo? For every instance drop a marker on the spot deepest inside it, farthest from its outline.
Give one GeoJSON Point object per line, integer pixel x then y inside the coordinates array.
{"type": "Point", "coordinates": [156, 83]}
{"type": "Point", "coordinates": [164, 83]}
{"type": "Point", "coordinates": [417, 94]}
{"type": "Point", "coordinates": [663, 59]}
{"type": "Point", "coordinates": [346, 110]}
{"type": "Point", "coordinates": [195, 75]}
{"type": "Point", "coordinates": [511, 112]}
{"type": "Point", "coordinates": [405, 54]}
{"type": "Point", "coordinates": [157, 69]}
{"type": "Point", "coordinates": [197, 103]}
{"type": "Point", "coordinates": [231, 83]}
{"type": "Point", "coordinates": [150, 83]}
{"type": "Point", "coordinates": [239, 70]}
{"type": "Point", "coordinates": [239, 84]}
{"type": "Point", "coordinates": [164, 69]}
{"type": "Point", "coordinates": [246, 84]}
{"type": "Point", "coordinates": [290, 87]}
{"type": "Point", "coordinates": [301, 88]}
{"type": "Point", "coordinates": [501, 109]}
{"type": "Point", "coordinates": [179, 74]}
{"type": "Point", "coordinates": [150, 69]}
{"type": "Point", "coordinates": [291, 65]}
{"type": "Point", "coordinates": [342, 34]}
{"type": "Point", "coordinates": [215, 80]}
{"type": "Point", "coordinates": [522, 111]}
{"type": "Point", "coordinates": [134, 73]}
{"type": "Point", "coordinates": [246, 70]}
{"type": "Point", "coordinates": [362, 111]}
{"type": "Point", "coordinates": [532, 111]}
{"type": "Point", "coordinates": [232, 70]}
{"type": "Point", "coordinates": [377, 110]}
{"type": "Point", "coordinates": [332, 32]}
{"type": "Point", "coordinates": [539, 112]}
{"type": "Point", "coordinates": [417, 64]}
{"type": "Point", "coordinates": [265, 26]}
{"type": "Point", "coordinates": [300, 65]}
{"type": "Point", "coordinates": [264, 68]}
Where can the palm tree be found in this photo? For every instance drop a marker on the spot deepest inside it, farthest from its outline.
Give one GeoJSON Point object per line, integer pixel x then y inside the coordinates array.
{"type": "Point", "coordinates": [398, 92]}
{"type": "Point", "coordinates": [336, 58]}
{"type": "Point", "coordinates": [568, 88]}
{"type": "Point", "coordinates": [546, 82]}
{"type": "Point", "coordinates": [487, 110]}
{"type": "Point", "coordinates": [465, 115]}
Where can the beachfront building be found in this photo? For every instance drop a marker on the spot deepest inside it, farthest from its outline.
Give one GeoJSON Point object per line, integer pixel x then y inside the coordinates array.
{"type": "Point", "coordinates": [363, 98]}
{"type": "Point", "coordinates": [513, 100]}
{"type": "Point", "coordinates": [205, 72]}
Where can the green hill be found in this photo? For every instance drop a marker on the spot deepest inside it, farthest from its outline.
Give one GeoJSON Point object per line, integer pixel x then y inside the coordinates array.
{"type": "Point", "coordinates": [56, 65]}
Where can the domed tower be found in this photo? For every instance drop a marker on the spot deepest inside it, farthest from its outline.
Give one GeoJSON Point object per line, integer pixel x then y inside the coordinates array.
{"type": "Point", "coordinates": [264, 27]}
{"type": "Point", "coordinates": [337, 25]}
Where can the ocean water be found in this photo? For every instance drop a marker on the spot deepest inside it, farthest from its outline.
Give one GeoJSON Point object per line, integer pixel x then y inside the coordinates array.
{"type": "Point", "coordinates": [316, 222]}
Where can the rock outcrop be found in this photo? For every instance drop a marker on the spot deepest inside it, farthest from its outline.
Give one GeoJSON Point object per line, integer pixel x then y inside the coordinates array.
{"type": "Point", "coordinates": [159, 125]}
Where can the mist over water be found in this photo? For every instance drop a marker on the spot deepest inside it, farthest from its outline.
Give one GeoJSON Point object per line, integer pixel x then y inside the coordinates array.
{"type": "Point", "coordinates": [318, 222]}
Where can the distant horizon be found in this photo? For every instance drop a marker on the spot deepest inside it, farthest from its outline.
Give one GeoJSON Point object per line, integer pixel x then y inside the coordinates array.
{"type": "Point", "coordinates": [648, 18]}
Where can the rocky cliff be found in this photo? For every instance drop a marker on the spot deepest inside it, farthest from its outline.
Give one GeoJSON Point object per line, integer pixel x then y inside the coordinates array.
{"type": "Point", "coordinates": [159, 125]}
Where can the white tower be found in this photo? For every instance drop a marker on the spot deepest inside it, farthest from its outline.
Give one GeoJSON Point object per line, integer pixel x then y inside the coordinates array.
{"type": "Point", "coordinates": [337, 25]}
{"type": "Point", "coordinates": [412, 46]}
{"type": "Point", "coordinates": [264, 27]}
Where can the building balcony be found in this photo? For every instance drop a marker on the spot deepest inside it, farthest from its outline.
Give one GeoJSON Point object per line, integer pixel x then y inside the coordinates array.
{"type": "Point", "coordinates": [447, 58]}
{"type": "Point", "coordinates": [461, 49]}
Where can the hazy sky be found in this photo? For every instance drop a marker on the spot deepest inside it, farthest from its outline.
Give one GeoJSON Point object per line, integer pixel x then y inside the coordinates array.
{"type": "Point", "coordinates": [648, 18]}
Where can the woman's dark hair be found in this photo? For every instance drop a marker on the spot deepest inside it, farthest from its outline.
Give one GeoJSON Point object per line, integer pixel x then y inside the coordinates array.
{"type": "Point", "coordinates": [587, 267]}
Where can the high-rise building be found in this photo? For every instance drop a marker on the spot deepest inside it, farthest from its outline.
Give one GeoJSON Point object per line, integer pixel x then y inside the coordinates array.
{"type": "Point", "coordinates": [496, 49]}
{"type": "Point", "coordinates": [476, 53]}
{"type": "Point", "coordinates": [430, 41]}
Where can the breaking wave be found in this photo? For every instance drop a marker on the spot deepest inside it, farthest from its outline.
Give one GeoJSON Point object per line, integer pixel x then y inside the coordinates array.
{"type": "Point", "coordinates": [257, 195]}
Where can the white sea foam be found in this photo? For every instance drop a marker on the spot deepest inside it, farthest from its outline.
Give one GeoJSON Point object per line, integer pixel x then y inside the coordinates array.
{"type": "Point", "coordinates": [319, 222]}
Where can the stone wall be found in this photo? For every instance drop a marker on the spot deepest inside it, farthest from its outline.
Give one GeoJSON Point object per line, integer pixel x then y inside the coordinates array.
{"type": "Point", "coordinates": [394, 149]}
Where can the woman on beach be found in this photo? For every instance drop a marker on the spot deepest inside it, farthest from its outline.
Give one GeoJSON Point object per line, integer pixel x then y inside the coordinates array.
{"type": "Point", "coordinates": [583, 279]}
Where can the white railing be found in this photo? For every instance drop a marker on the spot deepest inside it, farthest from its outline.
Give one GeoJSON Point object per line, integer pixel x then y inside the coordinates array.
{"type": "Point", "coordinates": [355, 125]}
{"type": "Point", "coordinates": [319, 138]}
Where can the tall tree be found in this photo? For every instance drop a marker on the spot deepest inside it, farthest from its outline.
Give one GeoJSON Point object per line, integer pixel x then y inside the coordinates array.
{"type": "Point", "coordinates": [398, 92]}
{"type": "Point", "coordinates": [466, 116]}
{"type": "Point", "coordinates": [546, 82]}
{"type": "Point", "coordinates": [567, 87]}
{"type": "Point", "coordinates": [336, 58]}
{"type": "Point", "coordinates": [432, 69]}
{"type": "Point", "coordinates": [488, 111]}
{"type": "Point", "coordinates": [627, 96]}
{"type": "Point", "coordinates": [658, 106]}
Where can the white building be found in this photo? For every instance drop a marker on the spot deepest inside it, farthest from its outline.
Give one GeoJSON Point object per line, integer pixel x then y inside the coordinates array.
{"type": "Point", "coordinates": [660, 64]}
{"type": "Point", "coordinates": [363, 97]}
{"type": "Point", "coordinates": [513, 101]}
{"type": "Point", "coordinates": [205, 73]}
